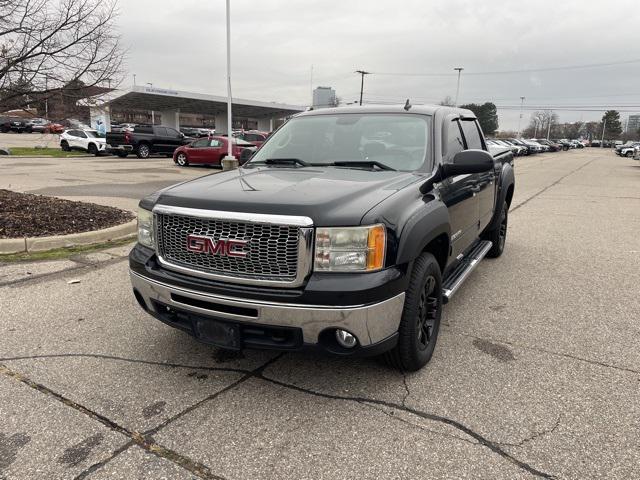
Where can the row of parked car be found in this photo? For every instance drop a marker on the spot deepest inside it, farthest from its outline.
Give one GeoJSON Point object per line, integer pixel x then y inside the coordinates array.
{"type": "Point", "coordinates": [146, 140]}
{"type": "Point", "coordinates": [522, 146]}
{"type": "Point", "coordinates": [29, 125]}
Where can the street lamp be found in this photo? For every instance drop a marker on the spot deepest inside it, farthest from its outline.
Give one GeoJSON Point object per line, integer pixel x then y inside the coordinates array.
{"type": "Point", "coordinates": [459, 69]}
{"type": "Point", "coordinates": [520, 119]}
{"type": "Point", "coordinates": [229, 120]}
{"type": "Point", "coordinates": [153, 114]}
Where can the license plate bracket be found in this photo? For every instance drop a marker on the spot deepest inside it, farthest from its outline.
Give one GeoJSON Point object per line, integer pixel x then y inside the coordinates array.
{"type": "Point", "coordinates": [221, 334]}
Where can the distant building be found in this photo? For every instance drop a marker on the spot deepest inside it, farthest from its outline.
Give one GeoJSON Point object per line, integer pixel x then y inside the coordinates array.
{"type": "Point", "coordinates": [633, 123]}
{"type": "Point", "coordinates": [324, 97]}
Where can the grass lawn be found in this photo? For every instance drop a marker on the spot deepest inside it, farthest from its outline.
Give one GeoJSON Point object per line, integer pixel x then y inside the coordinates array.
{"type": "Point", "coordinates": [38, 152]}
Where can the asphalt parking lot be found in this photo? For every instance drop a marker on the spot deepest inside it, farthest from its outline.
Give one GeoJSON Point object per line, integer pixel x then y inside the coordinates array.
{"type": "Point", "coordinates": [536, 372]}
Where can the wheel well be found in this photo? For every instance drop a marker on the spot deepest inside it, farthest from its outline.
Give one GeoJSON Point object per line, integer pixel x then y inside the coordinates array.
{"type": "Point", "coordinates": [439, 248]}
{"type": "Point", "coordinates": [509, 196]}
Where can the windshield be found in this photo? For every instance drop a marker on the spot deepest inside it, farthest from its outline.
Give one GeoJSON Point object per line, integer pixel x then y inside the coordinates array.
{"type": "Point", "coordinates": [398, 141]}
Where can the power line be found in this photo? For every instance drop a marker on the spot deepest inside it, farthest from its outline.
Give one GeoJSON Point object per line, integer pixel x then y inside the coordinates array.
{"type": "Point", "coordinates": [505, 72]}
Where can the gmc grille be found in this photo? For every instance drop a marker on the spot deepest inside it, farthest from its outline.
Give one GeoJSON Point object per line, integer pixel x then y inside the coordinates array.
{"type": "Point", "coordinates": [272, 250]}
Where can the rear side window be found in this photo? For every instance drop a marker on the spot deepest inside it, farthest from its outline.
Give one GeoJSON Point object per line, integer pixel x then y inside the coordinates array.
{"type": "Point", "coordinates": [471, 134]}
{"type": "Point", "coordinates": [453, 142]}
{"type": "Point", "coordinates": [200, 143]}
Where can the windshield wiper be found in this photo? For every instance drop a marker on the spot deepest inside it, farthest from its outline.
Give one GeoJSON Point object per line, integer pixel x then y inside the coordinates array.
{"type": "Point", "coordinates": [285, 161]}
{"type": "Point", "coordinates": [362, 163]}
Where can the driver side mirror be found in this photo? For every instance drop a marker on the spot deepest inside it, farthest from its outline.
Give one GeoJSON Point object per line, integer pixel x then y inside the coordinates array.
{"type": "Point", "coordinates": [468, 161]}
{"type": "Point", "coordinates": [465, 162]}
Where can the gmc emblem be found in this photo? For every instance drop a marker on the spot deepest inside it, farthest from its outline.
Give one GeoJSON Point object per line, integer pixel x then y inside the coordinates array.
{"type": "Point", "coordinates": [223, 247]}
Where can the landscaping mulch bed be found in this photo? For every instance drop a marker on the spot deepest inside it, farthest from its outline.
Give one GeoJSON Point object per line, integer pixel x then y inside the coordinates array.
{"type": "Point", "coordinates": [27, 215]}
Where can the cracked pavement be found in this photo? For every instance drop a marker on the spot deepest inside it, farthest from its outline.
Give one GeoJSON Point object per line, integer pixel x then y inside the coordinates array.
{"type": "Point", "coordinates": [536, 372]}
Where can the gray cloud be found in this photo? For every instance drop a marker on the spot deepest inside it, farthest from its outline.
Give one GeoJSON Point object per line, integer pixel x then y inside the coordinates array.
{"type": "Point", "coordinates": [181, 44]}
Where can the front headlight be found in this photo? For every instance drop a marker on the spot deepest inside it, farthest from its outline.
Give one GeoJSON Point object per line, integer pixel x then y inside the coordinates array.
{"type": "Point", "coordinates": [145, 227]}
{"type": "Point", "coordinates": [350, 249]}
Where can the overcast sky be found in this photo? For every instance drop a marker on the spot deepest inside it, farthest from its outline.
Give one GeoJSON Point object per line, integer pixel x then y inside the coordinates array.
{"type": "Point", "coordinates": [180, 44]}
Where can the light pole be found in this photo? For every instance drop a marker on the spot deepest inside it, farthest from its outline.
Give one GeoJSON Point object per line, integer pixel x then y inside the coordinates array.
{"type": "Point", "coordinates": [549, 127]}
{"type": "Point", "coordinates": [520, 119]}
{"type": "Point", "coordinates": [362, 73]}
{"type": "Point", "coordinates": [535, 130]}
{"type": "Point", "coordinates": [604, 125]}
{"type": "Point", "coordinates": [459, 69]}
{"type": "Point", "coordinates": [153, 114]}
{"type": "Point", "coordinates": [229, 116]}
{"type": "Point", "coordinates": [134, 79]}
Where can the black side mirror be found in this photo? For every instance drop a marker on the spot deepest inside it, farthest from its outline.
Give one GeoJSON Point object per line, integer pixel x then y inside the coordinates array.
{"type": "Point", "coordinates": [467, 161]}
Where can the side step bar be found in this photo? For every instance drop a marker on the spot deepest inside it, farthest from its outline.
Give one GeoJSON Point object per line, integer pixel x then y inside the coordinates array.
{"type": "Point", "coordinates": [467, 265]}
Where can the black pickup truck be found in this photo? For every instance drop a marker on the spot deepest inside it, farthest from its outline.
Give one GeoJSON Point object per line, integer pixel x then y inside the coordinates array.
{"type": "Point", "coordinates": [346, 232]}
{"type": "Point", "coordinates": [145, 140]}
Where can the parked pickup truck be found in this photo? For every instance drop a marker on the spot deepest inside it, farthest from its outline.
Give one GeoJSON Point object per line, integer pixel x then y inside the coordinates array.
{"type": "Point", "coordinates": [345, 232]}
{"type": "Point", "coordinates": [145, 140]}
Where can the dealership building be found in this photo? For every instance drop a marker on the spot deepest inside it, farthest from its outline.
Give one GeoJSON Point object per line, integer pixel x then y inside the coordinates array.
{"type": "Point", "coordinates": [175, 108]}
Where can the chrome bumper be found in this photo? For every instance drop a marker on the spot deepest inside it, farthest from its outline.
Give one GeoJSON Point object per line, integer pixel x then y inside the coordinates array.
{"type": "Point", "coordinates": [370, 323]}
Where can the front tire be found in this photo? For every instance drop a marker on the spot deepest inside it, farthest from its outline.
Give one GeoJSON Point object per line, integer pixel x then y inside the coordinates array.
{"type": "Point", "coordinates": [181, 159]}
{"type": "Point", "coordinates": [143, 151]}
{"type": "Point", "coordinates": [65, 146]}
{"type": "Point", "coordinates": [420, 323]}
{"type": "Point", "coordinates": [92, 149]}
{"type": "Point", "coordinates": [628, 154]}
{"type": "Point", "coordinates": [498, 236]}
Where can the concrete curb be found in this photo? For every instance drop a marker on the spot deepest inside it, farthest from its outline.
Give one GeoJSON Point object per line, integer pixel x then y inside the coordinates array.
{"type": "Point", "coordinates": [41, 244]}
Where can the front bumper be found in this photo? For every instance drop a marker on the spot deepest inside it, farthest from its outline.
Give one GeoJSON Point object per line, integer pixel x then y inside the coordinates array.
{"type": "Point", "coordinates": [297, 326]}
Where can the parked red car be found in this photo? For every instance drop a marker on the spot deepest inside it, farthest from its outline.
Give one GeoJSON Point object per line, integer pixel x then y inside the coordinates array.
{"type": "Point", "coordinates": [254, 137]}
{"type": "Point", "coordinates": [209, 151]}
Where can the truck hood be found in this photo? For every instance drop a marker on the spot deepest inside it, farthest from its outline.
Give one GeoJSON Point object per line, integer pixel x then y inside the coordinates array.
{"type": "Point", "coordinates": [328, 195]}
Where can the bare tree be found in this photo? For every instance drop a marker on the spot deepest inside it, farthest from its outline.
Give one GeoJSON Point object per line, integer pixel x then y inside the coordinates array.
{"type": "Point", "coordinates": [48, 46]}
{"type": "Point", "coordinates": [539, 124]}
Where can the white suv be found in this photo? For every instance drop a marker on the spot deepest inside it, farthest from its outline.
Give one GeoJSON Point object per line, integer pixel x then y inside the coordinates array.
{"type": "Point", "coordinates": [83, 139]}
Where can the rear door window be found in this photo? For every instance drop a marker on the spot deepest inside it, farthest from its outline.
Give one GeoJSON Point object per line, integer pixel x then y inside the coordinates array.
{"type": "Point", "coordinates": [472, 134]}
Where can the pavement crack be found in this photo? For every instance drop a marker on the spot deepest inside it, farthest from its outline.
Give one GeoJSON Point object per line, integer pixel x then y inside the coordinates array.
{"type": "Point", "coordinates": [406, 389]}
{"type": "Point", "coordinates": [248, 374]}
{"type": "Point", "coordinates": [482, 440]}
{"type": "Point", "coordinates": [534, 436]}
{"type": "Point", "coordinates": [551, 185]}
{"type": "Point", "coordinates": [548, 352]}
{"type": "Point", "coordinates": [419, 427]}
{"type": "Point", "coordinates": [196, 468]}
{"type": "Point", "coordinates": [80, 267]}
{"type": "Point", "coordinates": [145, 441]}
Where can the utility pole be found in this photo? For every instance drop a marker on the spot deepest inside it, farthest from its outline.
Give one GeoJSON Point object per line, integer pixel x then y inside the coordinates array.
{"type": "Point", "coordinates": [362, 73]}
{"type": "Point", "coordinates": [604, 125]}
{"type": "Point", "coordinates": [520, 119]}
{"type": "Point", "coordinates": [311, 84]}
{"type": "Point", "coordinates": [134, 79]}
{"type": "Point", "coordinates": [459, 69]}
{"type": "Point", "coordinates": [535, 130]}
{"type": "Point", "coordinates": [229, 116]}
{"type": "Point", "coordinates": [549, 127]}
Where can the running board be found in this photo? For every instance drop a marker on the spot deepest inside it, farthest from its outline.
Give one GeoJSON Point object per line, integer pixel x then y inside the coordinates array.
{"type": "Point", "coordinates": [467, 265]}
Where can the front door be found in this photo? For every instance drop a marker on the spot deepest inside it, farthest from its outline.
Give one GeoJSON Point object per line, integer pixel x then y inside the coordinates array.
{"type": "Point", "coordinates": [459, 194]}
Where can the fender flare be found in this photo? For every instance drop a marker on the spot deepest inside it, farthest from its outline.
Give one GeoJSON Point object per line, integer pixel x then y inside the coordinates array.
{"type": "Point", "coordinates": [423, 226]}
{"type": "Point", "coordinates": [507, 179]}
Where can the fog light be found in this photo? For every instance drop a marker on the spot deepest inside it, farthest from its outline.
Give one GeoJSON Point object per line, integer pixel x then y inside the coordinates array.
{"type": "Point", "coordinates": [345, 339]}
